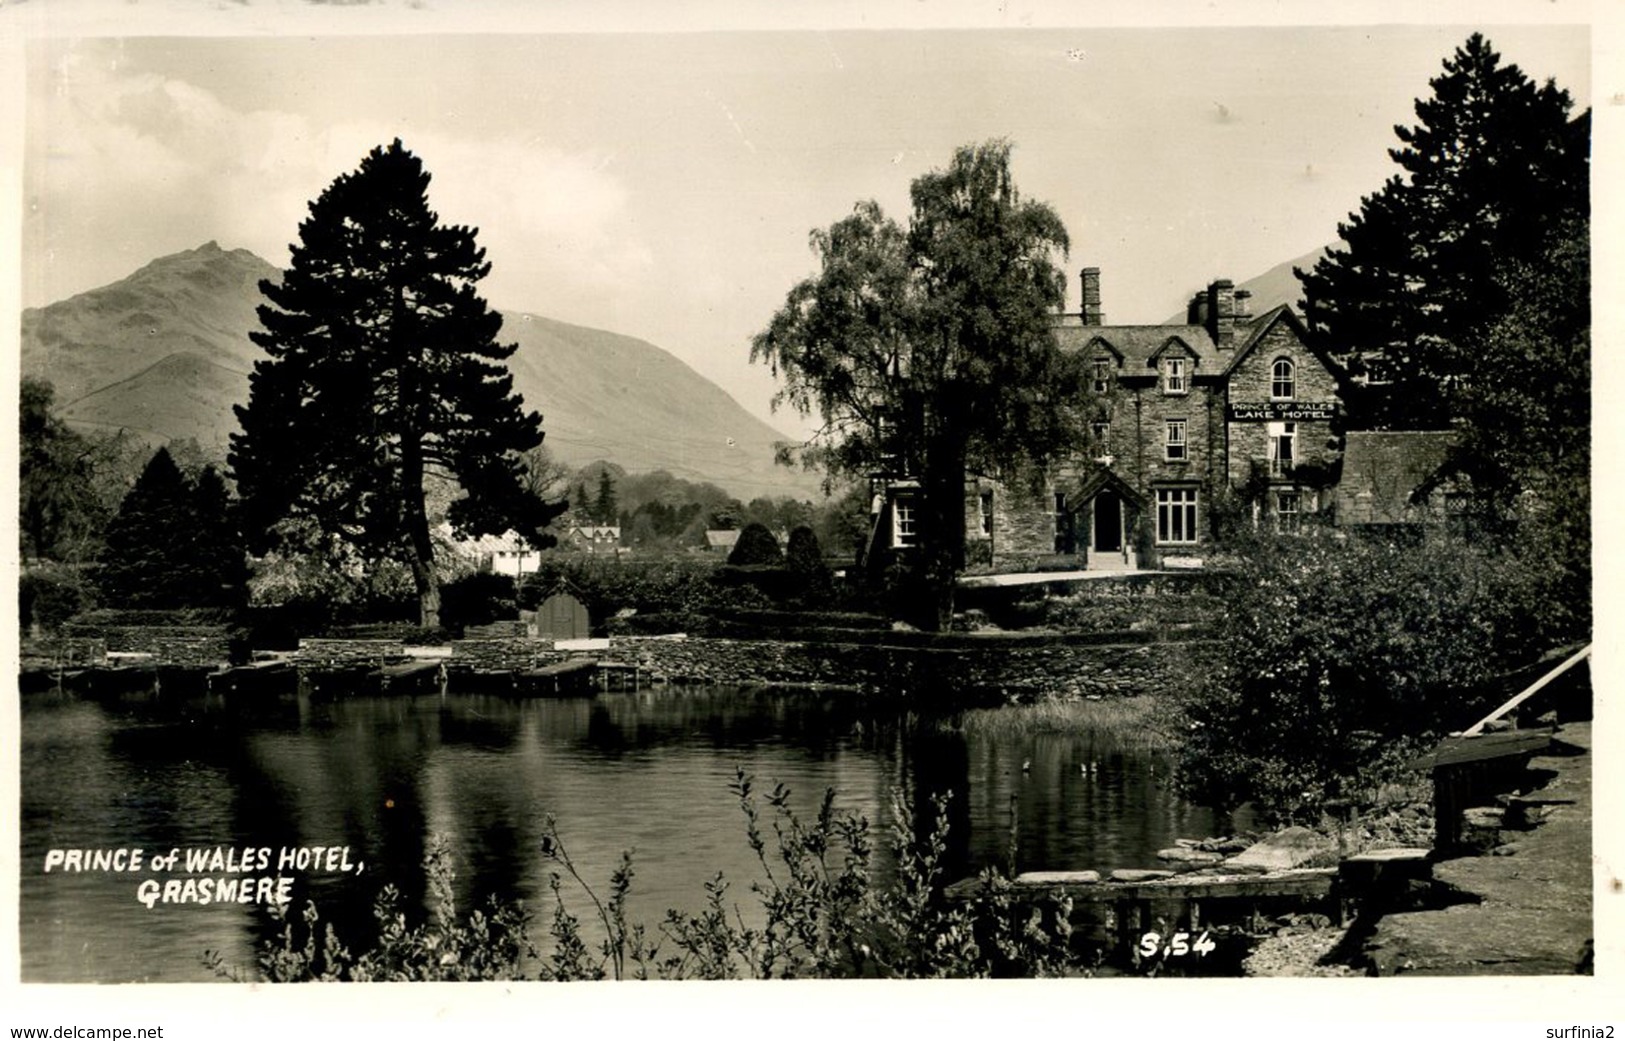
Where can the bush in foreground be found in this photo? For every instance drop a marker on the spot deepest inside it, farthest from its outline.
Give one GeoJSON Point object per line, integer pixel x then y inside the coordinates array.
{"type": "Point", "coordinates": [1338, 659]}
{"type": "Point", "coordinates": [821, 915]}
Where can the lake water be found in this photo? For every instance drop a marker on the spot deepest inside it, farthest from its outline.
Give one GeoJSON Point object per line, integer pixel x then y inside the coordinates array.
{"type": "Point", "coordinates": [647, 771]}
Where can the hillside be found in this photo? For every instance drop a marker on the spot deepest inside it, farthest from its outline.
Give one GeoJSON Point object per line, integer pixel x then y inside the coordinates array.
{"type": "Point", "coordinates": [1274, 287]}
{"type": "Point", "coordinates": [165, 353]}
{"type": "Point", "coordinates": [201, 301]}
{"type": "Point", "coordinates": [606, 396]}
{"type": "Point", "coordinates": [185, 395]}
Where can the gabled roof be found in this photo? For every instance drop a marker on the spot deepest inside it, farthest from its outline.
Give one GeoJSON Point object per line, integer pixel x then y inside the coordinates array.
{"type": "Point", "coordinates": [1139, 345]}
{"type": "Point", "coordinates": [1261, 326]}
{"type": "Point", "coordinates": [1095, 480]}
{"type": "Point", "coordinates": [1175, 344]}
{"type": "Point", "coordinates": [718, 539]}
{"type": "Point", "coordinates": [1384, 469]}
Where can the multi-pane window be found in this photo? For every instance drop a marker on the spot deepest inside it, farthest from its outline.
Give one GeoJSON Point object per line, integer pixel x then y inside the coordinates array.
{"type": "Point", "coordinates": [1281, 438]}
{"type": "Point", "coordinates": [1174, 447]}
{"type": "Point", "coordinates": [1458, 512]}
{"type": "Point", "coordinates": [1283, 387]}
{"type": "Point", "coordinates": [987, 513]}
{"type": "Point", "coordinates": [1176, 515]}
{"type": "Point", "coordinates": [1101, 430]}
{"type": "Point", "coordinates": [1288, 510]}
{"type": "Point", "coordinates": [1173, 376]}
{"type": "Point", "coordinates": [1063, 525]}
{"type": "Point", "coordinates": [903, 531]}
{"type": "Point", "coordinates": [1103, 375]}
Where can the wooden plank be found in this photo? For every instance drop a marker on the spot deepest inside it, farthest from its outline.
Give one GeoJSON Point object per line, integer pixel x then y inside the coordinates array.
{"type": "Point", "coordinates": [565, 678]}
{"type": "Point", "coordinates": [563, 668]}
{"type": "Point", "coordinates": [1454, 751]}
{"type": "Point", "coordinates": [1528, 692]}
{"type": "Point", "coordinates": [405, 669]}
{"type": "Point", "coordinates": [1313, 883]}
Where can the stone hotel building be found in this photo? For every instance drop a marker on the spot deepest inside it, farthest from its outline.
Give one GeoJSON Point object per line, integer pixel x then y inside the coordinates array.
{"type": "Point", "coordinates": [1228, 415]}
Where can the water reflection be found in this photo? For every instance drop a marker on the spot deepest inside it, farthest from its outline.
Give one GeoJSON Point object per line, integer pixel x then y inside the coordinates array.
{"type": "Point", "coordinates": [647, 771]}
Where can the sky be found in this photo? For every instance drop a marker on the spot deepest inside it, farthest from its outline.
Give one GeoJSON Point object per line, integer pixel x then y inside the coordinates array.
{"type": "Point", "coordinates": [663, 185]}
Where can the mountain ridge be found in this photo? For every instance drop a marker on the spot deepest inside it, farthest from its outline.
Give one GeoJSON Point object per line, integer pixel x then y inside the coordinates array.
{"type": "Point", "coordinates": [164, 353]}
{"type": "Point", "coordinates": [1274, 287]}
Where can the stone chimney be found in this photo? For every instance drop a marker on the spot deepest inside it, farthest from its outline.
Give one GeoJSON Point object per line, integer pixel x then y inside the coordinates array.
{"type": "Point", "coordinates": [1221, 312]}
{"type": "Point", "coordinates": [1090, 309]}
{"type": "Point", "coordinates": [1244, 307]}
{"type": "Point", "coordinates": [1196, 310]}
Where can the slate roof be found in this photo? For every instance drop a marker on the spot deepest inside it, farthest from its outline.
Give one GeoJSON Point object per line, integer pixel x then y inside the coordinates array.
{"type": "Point", "coordinates": [1139, 345]}
{"type": "Point", "coordinates": [716, 539]}
{"type": "Point", "coordinates": [1382, 470]}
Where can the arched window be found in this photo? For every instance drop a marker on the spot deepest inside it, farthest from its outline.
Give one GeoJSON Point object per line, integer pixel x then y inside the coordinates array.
{"type": "Point", "coordinates": [1282, 385]}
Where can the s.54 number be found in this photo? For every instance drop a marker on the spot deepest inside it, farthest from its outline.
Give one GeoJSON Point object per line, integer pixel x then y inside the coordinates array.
{"type": "Point", "coordinates": [1179, 945]}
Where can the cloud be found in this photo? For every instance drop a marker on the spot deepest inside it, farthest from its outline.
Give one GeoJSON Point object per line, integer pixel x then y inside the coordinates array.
{"type": "Point", "coordinates": [126, 165]}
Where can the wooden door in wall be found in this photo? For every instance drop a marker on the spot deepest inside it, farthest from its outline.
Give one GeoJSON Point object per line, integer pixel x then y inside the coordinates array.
{"type": "Point", "coordinates": [1108, 522]}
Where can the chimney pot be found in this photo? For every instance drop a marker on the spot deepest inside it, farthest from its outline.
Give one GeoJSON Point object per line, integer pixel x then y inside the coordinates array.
{"type": "Point", "coordinates": [1221, 312]}
{"type": "Point", "coordinates": [1090, 308]}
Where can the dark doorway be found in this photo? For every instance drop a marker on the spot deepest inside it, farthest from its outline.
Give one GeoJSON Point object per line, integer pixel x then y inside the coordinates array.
{"type": "Point", "coordinates": [1108, 522]}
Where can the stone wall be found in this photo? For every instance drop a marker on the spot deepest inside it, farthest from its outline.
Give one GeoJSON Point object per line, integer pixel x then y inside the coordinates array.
{"type": "Point", "coordinates": [502, 654]}
{"type": "Point", "coordinates": [188, 645]}
{"type": "Point", "coordinates": [1020, 532]}
{"type": "Point", "coordinates": [1314, 445]}
{"type": "Point", "coordinates": [962, 666]}
{"type": "Point", "coordinates": [64, 652]}
{"type": "Point", "coordinates": [965, 667]}
{"type": "Point", "coordinates": [317, 652]}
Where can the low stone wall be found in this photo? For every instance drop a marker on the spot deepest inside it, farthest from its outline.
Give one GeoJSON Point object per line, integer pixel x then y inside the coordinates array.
{"type": "Point", "coordinates": [64, 652]}
{"type": "Point", "coordinates": [1022, 670]}
{"type": "Point", "coordinates": [502, 654]}
{"type": "Point", "coordinates": [998, 666]}
{"type": "Point", "coordinates": [182, 645]}
{"type": "Point", "coordinates": [324, 653]}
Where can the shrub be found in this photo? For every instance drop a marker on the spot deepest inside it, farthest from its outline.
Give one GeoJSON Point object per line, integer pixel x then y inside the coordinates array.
{"type": "Point", "coordinates": [485, 945]}
{"type": "Point", "coordinates": [676, 585]}
{"type": "Point", "coordinates": [804, 558]}
{"type": "Point", "coordinates": [756, 546]}
{"type": "Point", "coordinates": [479, 598]}
{"type": "Point", "coordinates": [1332, 651]}
{"type": "Point", "coordinates": [763, 584]}
{"type": "Point", "coordinates": [822, 915]}
{"type": "Point", "coordinates": [51, 594]}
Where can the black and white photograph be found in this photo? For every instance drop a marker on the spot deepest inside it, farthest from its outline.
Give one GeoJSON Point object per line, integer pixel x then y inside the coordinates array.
{"type": "Point", "coordinates": [518, 497]}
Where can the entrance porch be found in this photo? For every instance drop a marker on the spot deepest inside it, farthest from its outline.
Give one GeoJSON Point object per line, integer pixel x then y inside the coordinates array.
{"type": "Point", "coordinates": [1106, 509]}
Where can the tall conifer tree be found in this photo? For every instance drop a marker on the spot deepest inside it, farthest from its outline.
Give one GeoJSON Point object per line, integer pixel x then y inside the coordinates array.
{"type": "Point", "coordinates": [384, 367]}
{"type": "Point", "coordinates": [606, 508]}
{"type": "Point", "coordinates": [1492, 166]}
{"type": "Point", "coordinates": [174, 542]}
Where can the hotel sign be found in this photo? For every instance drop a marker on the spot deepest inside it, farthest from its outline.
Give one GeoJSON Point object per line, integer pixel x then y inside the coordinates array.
{"type": "Point", "coordinates": [1276, 411]}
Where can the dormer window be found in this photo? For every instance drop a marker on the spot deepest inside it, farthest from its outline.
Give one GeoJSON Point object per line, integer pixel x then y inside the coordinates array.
{"type": "Point", "coordinates": [1173, 376]}
{"type": "Point", "coordinates": [1283, 387]}
{"type": "Point", "coordinates": [1103, 375]}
